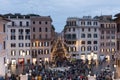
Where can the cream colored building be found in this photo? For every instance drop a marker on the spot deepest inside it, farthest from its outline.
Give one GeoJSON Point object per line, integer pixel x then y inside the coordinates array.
{"type": "Point", "coordinates": [18, 39]}
{"type": "Point", "coordinates": [82, 37]}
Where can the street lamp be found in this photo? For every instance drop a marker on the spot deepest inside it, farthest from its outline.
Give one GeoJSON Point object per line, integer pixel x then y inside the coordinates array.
{"type": "Point", "coordinates": [115, 73]}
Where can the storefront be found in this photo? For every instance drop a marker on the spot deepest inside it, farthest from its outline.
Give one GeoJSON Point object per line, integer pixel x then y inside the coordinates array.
{"type": "Point", "coordinates": [13, 61]}
{"type": "Point", "coordinates": [28, 60]}
{"type": "Point", "coordinates": [34, 60]}
{"type": "Point", "coordinates": [46, 59]}
{"type": "Point", "coordinates": [82, 56]}
{"type": "Point", "coordinates": [89, 57]}
{"type": "Point", "coordinates": [21, 61]}
{"type": "Point", "coordinates": [95, 57]}
{"type": "Point", "coordinates": [108, 57]}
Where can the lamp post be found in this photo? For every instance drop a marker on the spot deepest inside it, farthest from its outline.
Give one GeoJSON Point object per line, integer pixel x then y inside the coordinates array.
{"type": "Point", "coordinates": [115, 66]}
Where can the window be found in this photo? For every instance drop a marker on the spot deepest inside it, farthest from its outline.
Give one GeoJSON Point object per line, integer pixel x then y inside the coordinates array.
{"type": "Point", "coordinates": [102, 44]}
{"type": "Point", "coordinates": [74, 49]}
{"type": "Point", "coordinates": [95, 42]}
{"type": "Point", "coordinates": [40, 30]}
{"type": "Point", "coordinates": [3, 27]}
{"type": "Point", "coordinates": [73, 29]}
{"type": "Point", "coordinates": [4, 45]}
{"type": "Point", "coordinates": [46, 22]}
{"type": "Point", "coordinates": [82, 48]}
{"type": "Point", "coordinates": [108, 44]}
{"type": "Point", "coordinates": [40, 51]}
{"type": "Point", "coordinates": [33, 44]}
{"type": "Point", "coordinates": [107, 32]}
{"type": "Point", "coordinates": [13, 45]}
{"type": "Point", "coordinates": [108, 50]}
{"type": "Point", "coordinates": [102, 25]}
{"type": "Point", "coordinates": [40, 44]}
{"type": "Point", "coordinates": [73, 36]}
{"type": "Point", "coordinates": [95, 29]}
{"type": "Point", "coordinates": [21, 45]}
{"type": "Point", "coordinates": [20, 23]}
{"type": "Point", "coordinates": [27, 52]}
{"type": "Point", "coordinates": [88, 23]}
{"type": "Point", "coordinates": [27, 37]}
{"type": "Point", "coordinates": [95, 48]}
{"type": "Point", "coordinates": [46, 51]}
{"type": "Point", "coordinates": [27, 44]}
{"type": "Point", "coordinates": [82, 29]}
{"type": "Point", "coordinates": [12, 31]}
{"type": "Point", "coordinates": [27, 31]}
{"type": "Point", "coordinates": [102, 32]}
{"type": "Point", "coordinates": [107, 37]}
{"type": "Point", "coordinates": [113, 32]}
{"type": "Point", "coordinates": [33, 36]}
{"type": "Point", "coordinates": [89, 42]}
{"type": "Point", "coordinates": [33, 29]}
{"type": "Point", "coordinates": [102, 50]}
{"type": "Point", "coordinates": [82, 42]}
{"type": "Point", "coordinates": [89, 35]}
{"type": "Point", "coordinates": [27, 23]}
{"type": "Point", "coordinates": [33, 22]}
{"type": "Point", "coordinates": [89, 48]}
{"type": "Point", "coordinates": [20, 31]}
{"type": "Point", "coordinates": [13, 37]}
{"type": "Point", "coordinates": [13, 53]}
{"type": "Point", "coordinates": [112, 43]}
{"type": "Point", "coordinates": [83, 23]}
{"type": "Point", "coordinates": [20, 52]}
{"type": "Point", "coordinates": [39, 22]}
{"type": "Point", "coordinates": [95, 23]}
{"type": "Point", "coordinates": [46, 43]}
{"type": "Point", "coordinates": [82, 35]}
{"type": "Point", "coordinates": [102, 37]}
{"type": "Point", "coordinates": [113, 49]}
{"type": "Point", "coordinates": [112, 37]}
{"type": "Point", "coordinates": [20, 37]}
{"type": "Point", "coordinates": [95, 35]}
{"type": "Point", "coordinates": [69, 29]}
{"type": "Point", "coordinates": [46, 30]}
{"type": "Point", "coordinates": [13, 24]}
{"type": "Point", "coordinates": [89, 29]}
{"type": "Point", "coordinates": [40, 36]}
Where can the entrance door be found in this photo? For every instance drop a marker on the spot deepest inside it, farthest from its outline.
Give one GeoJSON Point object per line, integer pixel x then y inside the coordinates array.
{"type": "Point", "coordinates": [28, 61]}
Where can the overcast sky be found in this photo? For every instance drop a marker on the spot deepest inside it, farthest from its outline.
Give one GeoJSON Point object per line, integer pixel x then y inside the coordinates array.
{"type": "Point", "coordinates": [59, 10]}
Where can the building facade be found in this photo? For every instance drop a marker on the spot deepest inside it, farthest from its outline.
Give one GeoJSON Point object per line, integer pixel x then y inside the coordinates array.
{"type": "Point", "coordinates": [18, 39]}
{"type": "Point", "coordinates": [42, 36]}
{"type": "Point", "coordinates": [3, 57]}
{"type": "Point", "coordinates": [82, 37]}
{"type": "Point", "coordinates": [108, 36]}
{"type": "Point", "coordinates": [117, 20]}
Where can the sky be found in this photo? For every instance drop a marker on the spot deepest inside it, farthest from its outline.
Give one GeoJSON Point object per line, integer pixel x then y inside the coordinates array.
{"type": "Point", "coordinates": [60, 10]}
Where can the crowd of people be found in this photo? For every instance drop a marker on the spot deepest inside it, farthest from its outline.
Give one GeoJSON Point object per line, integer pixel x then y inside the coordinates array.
{"type": "Point", "coordinates": [77, 70]}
